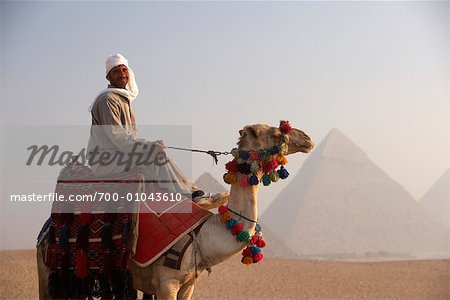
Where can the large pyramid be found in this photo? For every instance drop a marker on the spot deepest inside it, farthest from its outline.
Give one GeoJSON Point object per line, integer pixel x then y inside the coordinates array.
{"type": "Point", "coordinates": [208, 183]}
{"type": "Point", "coordinates": [342, 205]}
{"type": "Point", "coordinates": [437, 199]}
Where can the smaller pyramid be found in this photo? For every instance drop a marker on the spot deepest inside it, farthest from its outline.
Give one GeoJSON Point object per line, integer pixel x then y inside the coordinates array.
{"type": "Point", "coordinates": [208, 183]}
{"type": "Point", "coordinates": [437, 199]}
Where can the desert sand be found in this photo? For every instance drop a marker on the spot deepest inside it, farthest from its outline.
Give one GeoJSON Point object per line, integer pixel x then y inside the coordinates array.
{"type": "Point", "coordinates": [277, 279]}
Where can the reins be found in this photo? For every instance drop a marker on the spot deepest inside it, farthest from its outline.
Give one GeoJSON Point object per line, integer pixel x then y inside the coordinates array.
{"type": "Point", "coordinates": [213, 153]}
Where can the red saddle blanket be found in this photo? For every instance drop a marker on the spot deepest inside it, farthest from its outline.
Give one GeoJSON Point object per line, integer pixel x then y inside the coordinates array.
{"type": "Point", "coordinates": [158, 232]}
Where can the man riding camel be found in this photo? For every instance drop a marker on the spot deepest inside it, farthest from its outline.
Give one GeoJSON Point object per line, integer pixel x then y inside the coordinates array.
{"type": "Point", "coordinates": [113, 132]}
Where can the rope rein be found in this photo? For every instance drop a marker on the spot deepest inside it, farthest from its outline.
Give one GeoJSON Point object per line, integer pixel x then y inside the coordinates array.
{"type": "Point", "coordinates": [213, 153]}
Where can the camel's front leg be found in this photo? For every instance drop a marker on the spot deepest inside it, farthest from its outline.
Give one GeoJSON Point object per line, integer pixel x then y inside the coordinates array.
{"type": "Point", "coordinates": [168, 290]}
{"type": "Point", "coordinates": [185, 292]}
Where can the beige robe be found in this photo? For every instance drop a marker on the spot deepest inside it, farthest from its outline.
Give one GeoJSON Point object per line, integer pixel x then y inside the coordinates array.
{"type": "Point", "coordinates": [113, 131]}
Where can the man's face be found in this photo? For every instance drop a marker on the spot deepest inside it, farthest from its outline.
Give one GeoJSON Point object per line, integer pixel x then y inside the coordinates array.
{"type": "Point", "coordinates": [118, 76]}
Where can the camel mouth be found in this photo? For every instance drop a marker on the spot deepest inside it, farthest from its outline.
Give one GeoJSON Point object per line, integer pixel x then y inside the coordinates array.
{"type": "Point", "coordinates": [304, 148]}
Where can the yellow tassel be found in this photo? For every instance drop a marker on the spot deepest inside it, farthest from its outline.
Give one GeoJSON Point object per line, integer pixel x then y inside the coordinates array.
{"type": "Point", "coordinates": [230, 177]}
{"type": "Point", "coordinates": [225, 217]}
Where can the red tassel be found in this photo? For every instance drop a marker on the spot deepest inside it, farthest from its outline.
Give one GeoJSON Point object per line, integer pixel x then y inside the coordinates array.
{"type": "Point", "coordinates": [81, 265]}
{"type": "Point", "coordinates": [51, 259]}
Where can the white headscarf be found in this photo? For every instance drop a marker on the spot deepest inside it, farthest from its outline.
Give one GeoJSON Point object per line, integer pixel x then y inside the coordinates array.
{"type": "Point", "coordinates": [131, 90]}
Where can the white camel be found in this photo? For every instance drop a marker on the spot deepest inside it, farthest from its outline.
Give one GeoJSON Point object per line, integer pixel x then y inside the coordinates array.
{"type": "Point", "coordinates": [214, 243]}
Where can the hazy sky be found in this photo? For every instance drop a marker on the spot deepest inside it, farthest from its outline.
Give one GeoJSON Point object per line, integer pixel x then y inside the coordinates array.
{"type": "Point", "coordinates": [379, 72]}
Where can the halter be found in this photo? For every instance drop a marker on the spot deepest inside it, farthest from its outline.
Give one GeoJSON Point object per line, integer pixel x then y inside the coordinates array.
{"type": "Point", "coordinates": [266, 160]}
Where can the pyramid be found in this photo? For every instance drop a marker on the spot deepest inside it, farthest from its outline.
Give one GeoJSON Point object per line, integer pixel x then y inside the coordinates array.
{"type": "Point", "coordinates": [437, 200]}
{"type": "Point", "coordinates": [341, 205]}
{"type": "Point", "coordinates": [208, 183]}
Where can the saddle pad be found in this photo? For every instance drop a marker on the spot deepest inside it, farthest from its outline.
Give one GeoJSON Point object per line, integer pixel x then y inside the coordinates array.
{"type": "Point", "coordinates": [157, 233]}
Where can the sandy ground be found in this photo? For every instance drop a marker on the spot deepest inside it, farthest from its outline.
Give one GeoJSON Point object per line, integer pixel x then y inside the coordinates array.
{"type": "Point", "coordinates": [277, 279]}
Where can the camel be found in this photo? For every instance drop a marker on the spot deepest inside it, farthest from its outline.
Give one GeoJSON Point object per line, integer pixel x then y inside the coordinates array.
{"type": "Point", "coordinates": [214, 243]}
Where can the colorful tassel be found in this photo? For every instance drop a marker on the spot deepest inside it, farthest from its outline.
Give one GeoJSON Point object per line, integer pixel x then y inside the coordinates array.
{"type": "Point", "coordinates": [243, 236]}
{"type": "Point", "coordinates": [222, 209]}
{"type": "Point", "coordinates": [244, 155]}
{"type": "Point", "coordinates": [283, 173]}
{"type": "Point", "coordinates": [282, 160]}
{"type": "Point", "coordinates": [247, 252]}
{"type": "Point", "coordinates": [258, 257]}
{"type": "Point", "coordinates": [266, 179]}
{"type": "Point", "coordinates": [231, 166]}
{"type": "Point", "coordinates": [254, 167]}
{"type": "Point", "coordinates": [230, 177]}
{"type": "Point", "coordinates": [253, 180]}
{"type": "Point", "coordinates": [244, 181]}
{"type": "Point", "coordinates": [81, 265]}
{"type": "Point", "coordinates": [285, 127]}
{"type": "Point", "coordinates": [254, 155]}
{"type": "Point", "coordinates": [274, 176]}
{"type": "Point", "coordinates": [225, 217]}
{"type": "Point", "coordinates": [244, 168]}
{"type": "Point", "coordinates": [231, 223]}
{"type": "Point", "coordinates": [235, 152]}
{"type": "Point", "coordinates": [255, 250]}
{"type": "Point", "coordinates": [247, 260]}
{"type": "Point", "coordinates": [238, 227]}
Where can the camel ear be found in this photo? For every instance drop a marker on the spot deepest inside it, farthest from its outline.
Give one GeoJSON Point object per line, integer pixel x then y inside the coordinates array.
{"type": "Point", "coordinates": [253, 132]}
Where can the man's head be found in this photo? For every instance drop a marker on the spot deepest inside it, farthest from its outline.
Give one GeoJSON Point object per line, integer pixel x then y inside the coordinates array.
{"type": "Point", "coordinates": [117, 71]}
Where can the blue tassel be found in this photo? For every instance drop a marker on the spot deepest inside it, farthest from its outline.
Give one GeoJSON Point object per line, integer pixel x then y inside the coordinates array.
{"type": "Point", "coordinates": [64, 239]}
{"type": "Point", "coordinates": [244, 155]}
{"type": "Point", "coordinates": [253, 180]}
{"type": "Point", "coordinates": [255, 250]}
{"type": "Point", "coordinates": [275, 149]}
{"type": "Point", "coordinates": [283, 173]}
{"type": "Point", "coordinates": [258, 228]}
{"type": "Point", "coordinates": [231, 223]}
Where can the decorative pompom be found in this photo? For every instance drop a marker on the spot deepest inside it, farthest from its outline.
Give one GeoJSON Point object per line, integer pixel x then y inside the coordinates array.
{"type": "Point", "coordinates": [260, 243]}
{"type": "Point", "coordinates": [258, 228]}
{"type": "Point", "coordinates": [254, 239]}
{"type": "Point", "coordinates": [286, 138]}
{"type": "Point", "coordinates": [222, 209]}
{"type": "Point", "coordinates": [231, 223]}
{"type": "Point", "coordinates": [263, 153]}
{"type": "Point", "coordinates": [254, 167]}
{"type": "Point", "coordinates": [283, 173]}
{"type": "Point", "coordinates": [247, 260]}
{"type": "Point", "coordinates": [225, 217]}
{"type": "Point", "coordinates": [285, 127]}
{"type": "Point", "coordinates": [258, 257]}
{"type": "Point", "coordinates": [230, 177]}
{"type": "Point", "coordinates": [244, 181]}
{"type": "Point", "coordinates": [265, 179]}
{"type": "Point", "coordinates": [254, 155]}
{"type": "Point", "coordinates": [284, 149]}
{"type": "Point", "coordinates": [275, 149]}
{"type": "Point", "coordinates": [244, 168]}
{"type": "Point", "coordinates": [247, 252]}
{"type": "Point", "coordinates": [243, 236]}
{"type": "Point", "coordinates": [274, 176]}
{"type": "Point", "coordinates": [244, 154]}
{"type": "Point", "coordinates": [253, 180]}
{"type": "Point", "coordinates": [231, 166]}
{"type": "Point", "coordinates": [235, 152]}
{"type": "Point", "coordinates": [282, 160]}
{"type": "Point", "coordinates": [255, 250]}
{"type": "Point", "coordinates": [236, 228]}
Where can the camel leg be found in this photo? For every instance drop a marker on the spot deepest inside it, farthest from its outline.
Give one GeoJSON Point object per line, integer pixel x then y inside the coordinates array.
{"type": "Point", "coordinates": [168, 290]}
{"type": "Point", "coordinates": [185, 293]}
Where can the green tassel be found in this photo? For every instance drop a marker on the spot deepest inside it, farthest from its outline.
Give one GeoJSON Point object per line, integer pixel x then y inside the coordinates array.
{"type": "Point", "coordinates": [266, 179]}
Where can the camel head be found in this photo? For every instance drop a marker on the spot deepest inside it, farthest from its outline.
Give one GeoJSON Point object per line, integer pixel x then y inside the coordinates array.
{"type": "Point", "coordinates": [260, 136]}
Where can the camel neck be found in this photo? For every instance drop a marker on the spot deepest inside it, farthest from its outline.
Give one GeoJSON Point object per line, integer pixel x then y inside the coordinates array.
{"type": "Point", "coordinates": [243, 200]}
